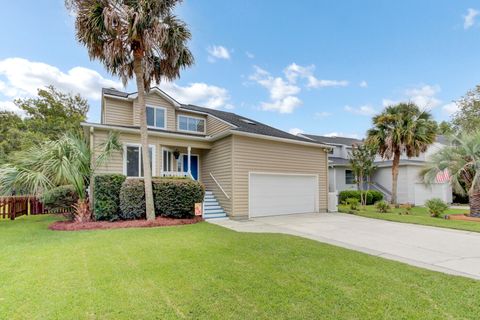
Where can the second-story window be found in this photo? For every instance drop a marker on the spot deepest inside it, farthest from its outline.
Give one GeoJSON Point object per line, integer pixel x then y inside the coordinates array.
{"type": "Point", "coordinates": [156, 117]}
{"type": "Point", "coordinates": [192, 124]}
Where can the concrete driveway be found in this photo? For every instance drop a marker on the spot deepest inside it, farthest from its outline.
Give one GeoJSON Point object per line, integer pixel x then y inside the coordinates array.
{"type": "Point", "coordinates": [445, 250]}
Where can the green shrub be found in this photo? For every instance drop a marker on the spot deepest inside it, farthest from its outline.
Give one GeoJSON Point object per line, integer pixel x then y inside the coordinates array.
{"type": "Point", "coordinates": [436, 207]}
{"type": "Point", "coordinates": [132, 199]}
{"type": "Point", "coordinates": [176, 198]}
{"type": "Point", "coordinates": [60, 199]}
{"type": "Point", "coordinates": [107, 196]}
{"type": "Point", "coordinates": [353, 203]}
{"type": "Point", "coordinates": [373, 196]}
{"type": "Point", "coordinates": [407, 207]}
{"type": "Point", "coordinates": [382, 206]}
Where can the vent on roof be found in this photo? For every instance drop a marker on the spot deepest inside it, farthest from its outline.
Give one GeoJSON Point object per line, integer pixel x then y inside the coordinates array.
{"type": "Point", "coordinates": [248, 121]}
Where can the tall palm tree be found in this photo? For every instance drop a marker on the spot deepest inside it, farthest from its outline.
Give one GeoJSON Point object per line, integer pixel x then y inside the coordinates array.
{"type": "Point", "coordinates": [66, 161]}
{"type": "Point", "coordinates": [135, 38]}
{"type": "Point", "coordinates": [462, 160]}
{"type": "Point", "coordinates": [401, 129]}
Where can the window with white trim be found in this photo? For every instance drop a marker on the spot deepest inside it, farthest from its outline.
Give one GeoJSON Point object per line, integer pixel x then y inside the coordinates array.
{"type": "Point", "coordinates": [156, 117]}
{"type": "Point", "coordinates": [349, 177]}
{"type": "Point", "coordinates": [167, 160]}
{"type": "Point", "coordinates": [133, 161]}
{"type": "Point", "coordinates": [192, 124]}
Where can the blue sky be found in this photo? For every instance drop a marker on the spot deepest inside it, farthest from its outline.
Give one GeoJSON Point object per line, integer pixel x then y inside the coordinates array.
{"type": "Point", "coordinates": [321, 67]}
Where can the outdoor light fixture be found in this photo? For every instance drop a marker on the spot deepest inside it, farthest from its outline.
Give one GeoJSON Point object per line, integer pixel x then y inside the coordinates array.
{"type": "Point", "coordinates": [176, 154]}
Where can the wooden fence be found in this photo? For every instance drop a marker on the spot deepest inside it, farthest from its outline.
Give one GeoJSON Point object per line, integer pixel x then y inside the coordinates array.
{"type": "Point", "coordinates": [16, 206]}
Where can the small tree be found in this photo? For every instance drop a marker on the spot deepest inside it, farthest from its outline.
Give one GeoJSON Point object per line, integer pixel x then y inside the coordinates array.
{"type": "Point", "coordinates": [467, 118]}
{"type": "Point", "coordinates": [362, 160]}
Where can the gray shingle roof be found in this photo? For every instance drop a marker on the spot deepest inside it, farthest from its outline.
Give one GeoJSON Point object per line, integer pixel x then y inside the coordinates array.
{"type": "Point", "coordinates": [254, 127]}
{"type": "Point", "coordinates": [334, 140]}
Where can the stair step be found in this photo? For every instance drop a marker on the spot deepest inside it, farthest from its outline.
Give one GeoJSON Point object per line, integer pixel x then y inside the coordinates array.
{"type": "Point", "coordinates": [211, 203]}
{"type": "Point", "coordinates": [208, 208]}
{"type": "Point", "coordinates": [213, 211]}
{"type": "Point", "coordinates": [215, 215]}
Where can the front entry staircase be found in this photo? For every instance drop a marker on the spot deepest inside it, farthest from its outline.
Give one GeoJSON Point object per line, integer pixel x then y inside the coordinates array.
{"type": "Point", "coordinates": [211, 207]}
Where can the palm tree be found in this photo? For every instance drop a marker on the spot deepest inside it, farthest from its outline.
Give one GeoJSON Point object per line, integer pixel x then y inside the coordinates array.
{"type": "Point", "coordinates": [462, 160]}
{"type": "Point", "coordinates": [66, 161]}
{"type": "Point", "coordinates": [362, 160]}
{"type": "Point", "coordinates": [401, 129]}
{"type": "Point", "coordinates": [135, 38]}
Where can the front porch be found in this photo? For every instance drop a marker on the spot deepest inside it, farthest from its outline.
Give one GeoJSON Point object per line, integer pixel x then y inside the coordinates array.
{"type": "Point", "coordinates": [178, 161]}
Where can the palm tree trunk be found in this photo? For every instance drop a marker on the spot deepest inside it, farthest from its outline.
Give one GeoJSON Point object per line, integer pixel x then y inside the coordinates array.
{"type": "Point", "coordinates": [395, 168]}
{"type": "Point", "coordinates": [147, 171]}
{"type": "Point", "coordinates": [475, 203]}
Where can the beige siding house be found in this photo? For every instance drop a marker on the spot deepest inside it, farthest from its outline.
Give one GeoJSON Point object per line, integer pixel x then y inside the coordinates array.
{"type": "Point", "coordinates": [249, 169]}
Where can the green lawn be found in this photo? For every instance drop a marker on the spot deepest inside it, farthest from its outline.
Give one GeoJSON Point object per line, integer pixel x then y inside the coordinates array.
{"type": "Point", "coordinates": [204, 271]}
{"type": "Point", "coordinates": [419, 215]}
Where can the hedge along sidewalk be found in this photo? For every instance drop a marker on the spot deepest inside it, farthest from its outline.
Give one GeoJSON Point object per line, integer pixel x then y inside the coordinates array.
{"type": "Point", "coordinates": [173, 197]}
{"type": "Point", "coordinates": [373, 196]}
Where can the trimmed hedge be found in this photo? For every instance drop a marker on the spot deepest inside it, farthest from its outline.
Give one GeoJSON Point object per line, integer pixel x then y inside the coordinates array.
{"type": "Point", "coordinates": [173, 198]}
{"type": "Point", "coordinates": [176, 198]}
{"type": "Point", "coordinates": [62, 197]}
{"type": "Point", "coordinates": [107, 196]}
{"type": "Point", "coordinates": [373, 196]}
{"type": "Point", "coordinates": [132, 199]}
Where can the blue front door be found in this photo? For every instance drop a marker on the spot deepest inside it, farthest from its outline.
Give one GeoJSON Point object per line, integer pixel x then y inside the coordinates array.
{"type": "Point", "coordinates": [194, 163]}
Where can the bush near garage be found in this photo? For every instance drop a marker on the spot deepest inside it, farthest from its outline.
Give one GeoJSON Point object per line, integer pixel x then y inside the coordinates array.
{"type": "Point", "coordinates": [107, 196]}
{"type": "Point", "coordinates": [373, 196]}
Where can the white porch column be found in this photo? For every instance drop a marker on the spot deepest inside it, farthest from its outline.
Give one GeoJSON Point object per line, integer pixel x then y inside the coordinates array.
{"type": "Point", "coordinates": [189, 160]}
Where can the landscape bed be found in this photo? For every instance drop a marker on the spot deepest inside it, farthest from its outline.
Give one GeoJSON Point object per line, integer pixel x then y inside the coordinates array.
{"type": "Point", "coordinates": [141, 223]}
{"type": "Point", "coordinates": [417, 215]}
{"type": "Point", "coordinates": [203, 271]}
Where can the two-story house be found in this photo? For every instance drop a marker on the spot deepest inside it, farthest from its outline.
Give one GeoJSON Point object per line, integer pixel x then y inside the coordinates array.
{"type": "Point", "coordinates": [249, 169]}
{"type": "Point", "coordinates": [410, 187]}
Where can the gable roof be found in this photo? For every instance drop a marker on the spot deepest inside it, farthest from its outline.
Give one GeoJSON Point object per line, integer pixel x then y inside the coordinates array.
{"type": "Point", "coordinates": [239, 123]}
{"type": "Point", "coordinates": [334, 140]}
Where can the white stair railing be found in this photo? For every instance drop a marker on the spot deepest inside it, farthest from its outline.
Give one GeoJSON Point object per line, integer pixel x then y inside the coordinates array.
{"type": "Point", "coordinates": [220, 186]}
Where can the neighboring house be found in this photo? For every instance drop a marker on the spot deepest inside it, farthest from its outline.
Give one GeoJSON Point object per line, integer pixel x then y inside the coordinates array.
{"type": "Point", "coordinates": [250, 168]}
{"type": "Point", "coordinates": [410, 188]}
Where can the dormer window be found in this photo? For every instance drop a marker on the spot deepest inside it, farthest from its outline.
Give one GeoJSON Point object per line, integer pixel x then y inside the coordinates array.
{"type": "Point", "coordinates": [156, 117]}
{"type": "Point", "coordinates": [191, 124]}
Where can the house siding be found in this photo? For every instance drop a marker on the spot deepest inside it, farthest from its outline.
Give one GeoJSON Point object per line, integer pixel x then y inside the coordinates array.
{"type": "Point", "coordinates": [118, 112]}
{"type": "Point", "coordinates": [215, 126]}
{"type": "Point", "coordinates": [260, 155]}
{"type": "Point", "coordinates": [155, 100]}
{"type": "Point", "coordinates": [218, 161]}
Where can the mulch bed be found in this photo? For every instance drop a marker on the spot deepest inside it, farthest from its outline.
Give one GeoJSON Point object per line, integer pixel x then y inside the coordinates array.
{"type": "Point", "coordinates": [463, 217]}
{"type": "Point", "coordinates": [98, 225]}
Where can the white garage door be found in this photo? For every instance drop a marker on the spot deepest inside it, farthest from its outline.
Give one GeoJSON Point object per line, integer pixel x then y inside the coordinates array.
{"type": "Point", "coordinates": [277, 194]}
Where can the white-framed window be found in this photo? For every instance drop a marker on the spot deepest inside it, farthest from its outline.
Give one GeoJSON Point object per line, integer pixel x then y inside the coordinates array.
{"type": "Point", "coordinates": [349, 177]}
{"type": "Point", "coordinates": [167, 160]}
{"type": "Point", "coordinates": [156, 117]}
{"type": "Point", "coordinates": [191, 124]}
{"type": "Point", "coordinates": [133, 160]}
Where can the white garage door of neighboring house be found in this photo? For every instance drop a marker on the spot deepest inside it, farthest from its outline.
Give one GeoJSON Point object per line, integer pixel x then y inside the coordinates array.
{"type": "Point", "coordinates": [277, 194]}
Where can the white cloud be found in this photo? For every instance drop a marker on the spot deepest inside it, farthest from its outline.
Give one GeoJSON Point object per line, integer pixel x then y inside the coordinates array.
{"type": "Point", "coordinates": [450, 108]}
{"type": "Point", "coordinates": [295, 71]}
{"type": "Point", "coordinates": [388, 102]}
{"type": "Point", "coordinates": [218, 52]}
{"type": "Point", "coordinates": [424, 96]}
{"type": "Point", "coordinates": [249, 55]}
{"type": "Point", "coordinates": [322, 114]}
{"type": "Point", "coordinates": [365, 110]}
{"type": "Point", "coordinates": [363, 84]}
{"type": "Point", "coordinates": [296, 131]}
{"type": "Point", "coordinates": [199, 93]}
{"type": "Point", "coordinates": [9, 106]}
{"type": "Point", "coordinates": [342, 134]}
{"type": "Point", "coordinates": [277, 86]}
{"type": "Point", "coordinates": [285, 105]}
{"type": "Point", "coordinates": [24, 77]}
{"type": "Point", "coordinates": [469, 18]}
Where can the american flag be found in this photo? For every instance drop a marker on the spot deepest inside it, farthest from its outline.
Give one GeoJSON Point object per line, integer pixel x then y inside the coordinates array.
{"type": "Point", "coordinates": [443, 176]}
